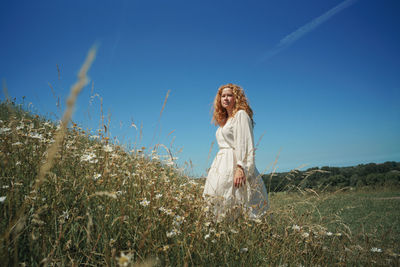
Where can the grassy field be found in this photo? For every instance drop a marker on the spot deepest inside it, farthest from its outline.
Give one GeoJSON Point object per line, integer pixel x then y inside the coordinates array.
{"type": "Point", "coordinates": [69, 196]}
{"type": "Point", "coordinates": [370, 215]}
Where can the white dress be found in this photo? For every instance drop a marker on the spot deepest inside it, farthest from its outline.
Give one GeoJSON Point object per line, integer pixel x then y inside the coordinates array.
{"type": "Point", "coordinates": [236, 147]}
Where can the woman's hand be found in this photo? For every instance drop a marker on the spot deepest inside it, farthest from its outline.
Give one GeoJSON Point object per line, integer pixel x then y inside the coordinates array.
{"type": "Point", "coordinates": [239, 178]}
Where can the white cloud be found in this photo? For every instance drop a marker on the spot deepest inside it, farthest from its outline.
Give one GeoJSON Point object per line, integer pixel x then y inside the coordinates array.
{"type": "Point", "coordinates": [303, 30]}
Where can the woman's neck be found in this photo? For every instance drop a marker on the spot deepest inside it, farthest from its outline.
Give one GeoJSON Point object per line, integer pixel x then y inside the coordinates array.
{"type": "Point", "coordinates": [229, 111]}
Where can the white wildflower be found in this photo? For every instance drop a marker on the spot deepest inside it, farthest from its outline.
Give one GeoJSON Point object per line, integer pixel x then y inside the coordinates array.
{"type": "Point", "coordinates": [124, 260]}
{"type": "Point", "coordinates": [207, 236]}
{"type": "Point", "coordinates": [192, 182]}
{"type": "Point", "coordinates": [4, 130]}
{"type": "Point", "coordinates": [90, 157]}
{"type": "Point", "coordinates": [5, 186]}
{"type": "Point", "coordinates": [171, 234]}
{"type": "Point", "coordinates": [207, 224]}
{"type": "Point", "coordinates": [158, 196]}
{"type": "Point", "coordinates": [65, 215]}
{"type": "Point", "coordinates": [17, 144]}
{"type": "Point", "coordinates": [329, 233]}
{"type": "Point", "coordinates": [378, 250]}
{"type": "Point", "coordinates": [108, 148]}
{"type": "Point", "coordinates": [296, 227]}
{"type": "Point", "coordinates": [244, 249]}
{"type": "Point", "coordinates": [305, 235]}
{"type": "Point", "coordinates": [174, 232]}
{"type": "Point", "coordinates": [257, 220]}
{"type": "Point", "coordinates": [2, 199]}
{"type": "Point", "coordinates": [36, 136]}
{"type": "Point", "coordinates": [169, 163]}
{"type": "Point", "coordinates": [166, 211]}
{"type": "Point", "coordinates": [96, 176]}
{"type": "Point", "coordinates": [144, 202]}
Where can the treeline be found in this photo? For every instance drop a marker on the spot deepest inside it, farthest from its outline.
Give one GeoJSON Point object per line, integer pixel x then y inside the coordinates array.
{"type": "Point", "coordinates": [372, 174]}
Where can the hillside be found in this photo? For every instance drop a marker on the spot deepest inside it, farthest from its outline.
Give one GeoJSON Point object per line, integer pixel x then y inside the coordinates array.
{"type": "Point", "coordinates": [332, 178]}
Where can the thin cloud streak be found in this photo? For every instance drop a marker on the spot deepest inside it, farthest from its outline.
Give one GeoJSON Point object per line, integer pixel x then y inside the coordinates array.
{"type": "Point", "coordinates": [300, 32]}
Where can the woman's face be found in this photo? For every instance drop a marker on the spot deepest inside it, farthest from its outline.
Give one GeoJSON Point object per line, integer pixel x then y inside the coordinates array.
{"type": "Point", "coordinates": [227, 99]}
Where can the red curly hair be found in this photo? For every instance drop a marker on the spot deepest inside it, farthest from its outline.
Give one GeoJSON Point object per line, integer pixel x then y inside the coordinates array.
{"type": "Point", "coordinates": [220, 115]}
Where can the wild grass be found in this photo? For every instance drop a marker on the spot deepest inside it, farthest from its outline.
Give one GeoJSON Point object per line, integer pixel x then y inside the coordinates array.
{"type": "Point", "coordinates": [100, 204]}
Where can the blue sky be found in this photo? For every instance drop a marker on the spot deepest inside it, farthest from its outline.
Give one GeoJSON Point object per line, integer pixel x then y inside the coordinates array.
{"type": "Point", "coordinates": [321, 76]}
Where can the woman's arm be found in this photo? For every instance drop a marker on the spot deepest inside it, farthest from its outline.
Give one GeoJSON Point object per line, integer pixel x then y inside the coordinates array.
{"type": "Point", "coordinates": [240, 177]}
{"type": "Point", "coordinates": [244, 147]}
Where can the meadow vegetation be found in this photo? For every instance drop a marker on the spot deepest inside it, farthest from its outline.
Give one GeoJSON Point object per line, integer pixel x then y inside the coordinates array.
{"type": "Point", "coordinates": [99, 203]}
{"type": "Point", "coordinates": [369, 175]}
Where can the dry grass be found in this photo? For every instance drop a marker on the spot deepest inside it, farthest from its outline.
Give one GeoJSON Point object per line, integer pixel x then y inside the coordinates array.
{"type": "Point", "coordinates": [96, 203]}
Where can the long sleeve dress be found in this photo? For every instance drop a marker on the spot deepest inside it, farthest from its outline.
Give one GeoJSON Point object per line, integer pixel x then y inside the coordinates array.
{"type": "Point", "coordinates": [236, 147]}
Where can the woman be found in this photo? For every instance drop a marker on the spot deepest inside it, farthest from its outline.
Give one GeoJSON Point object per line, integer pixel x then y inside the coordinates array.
{"type": "Point", "coordinates": [233, 180]}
